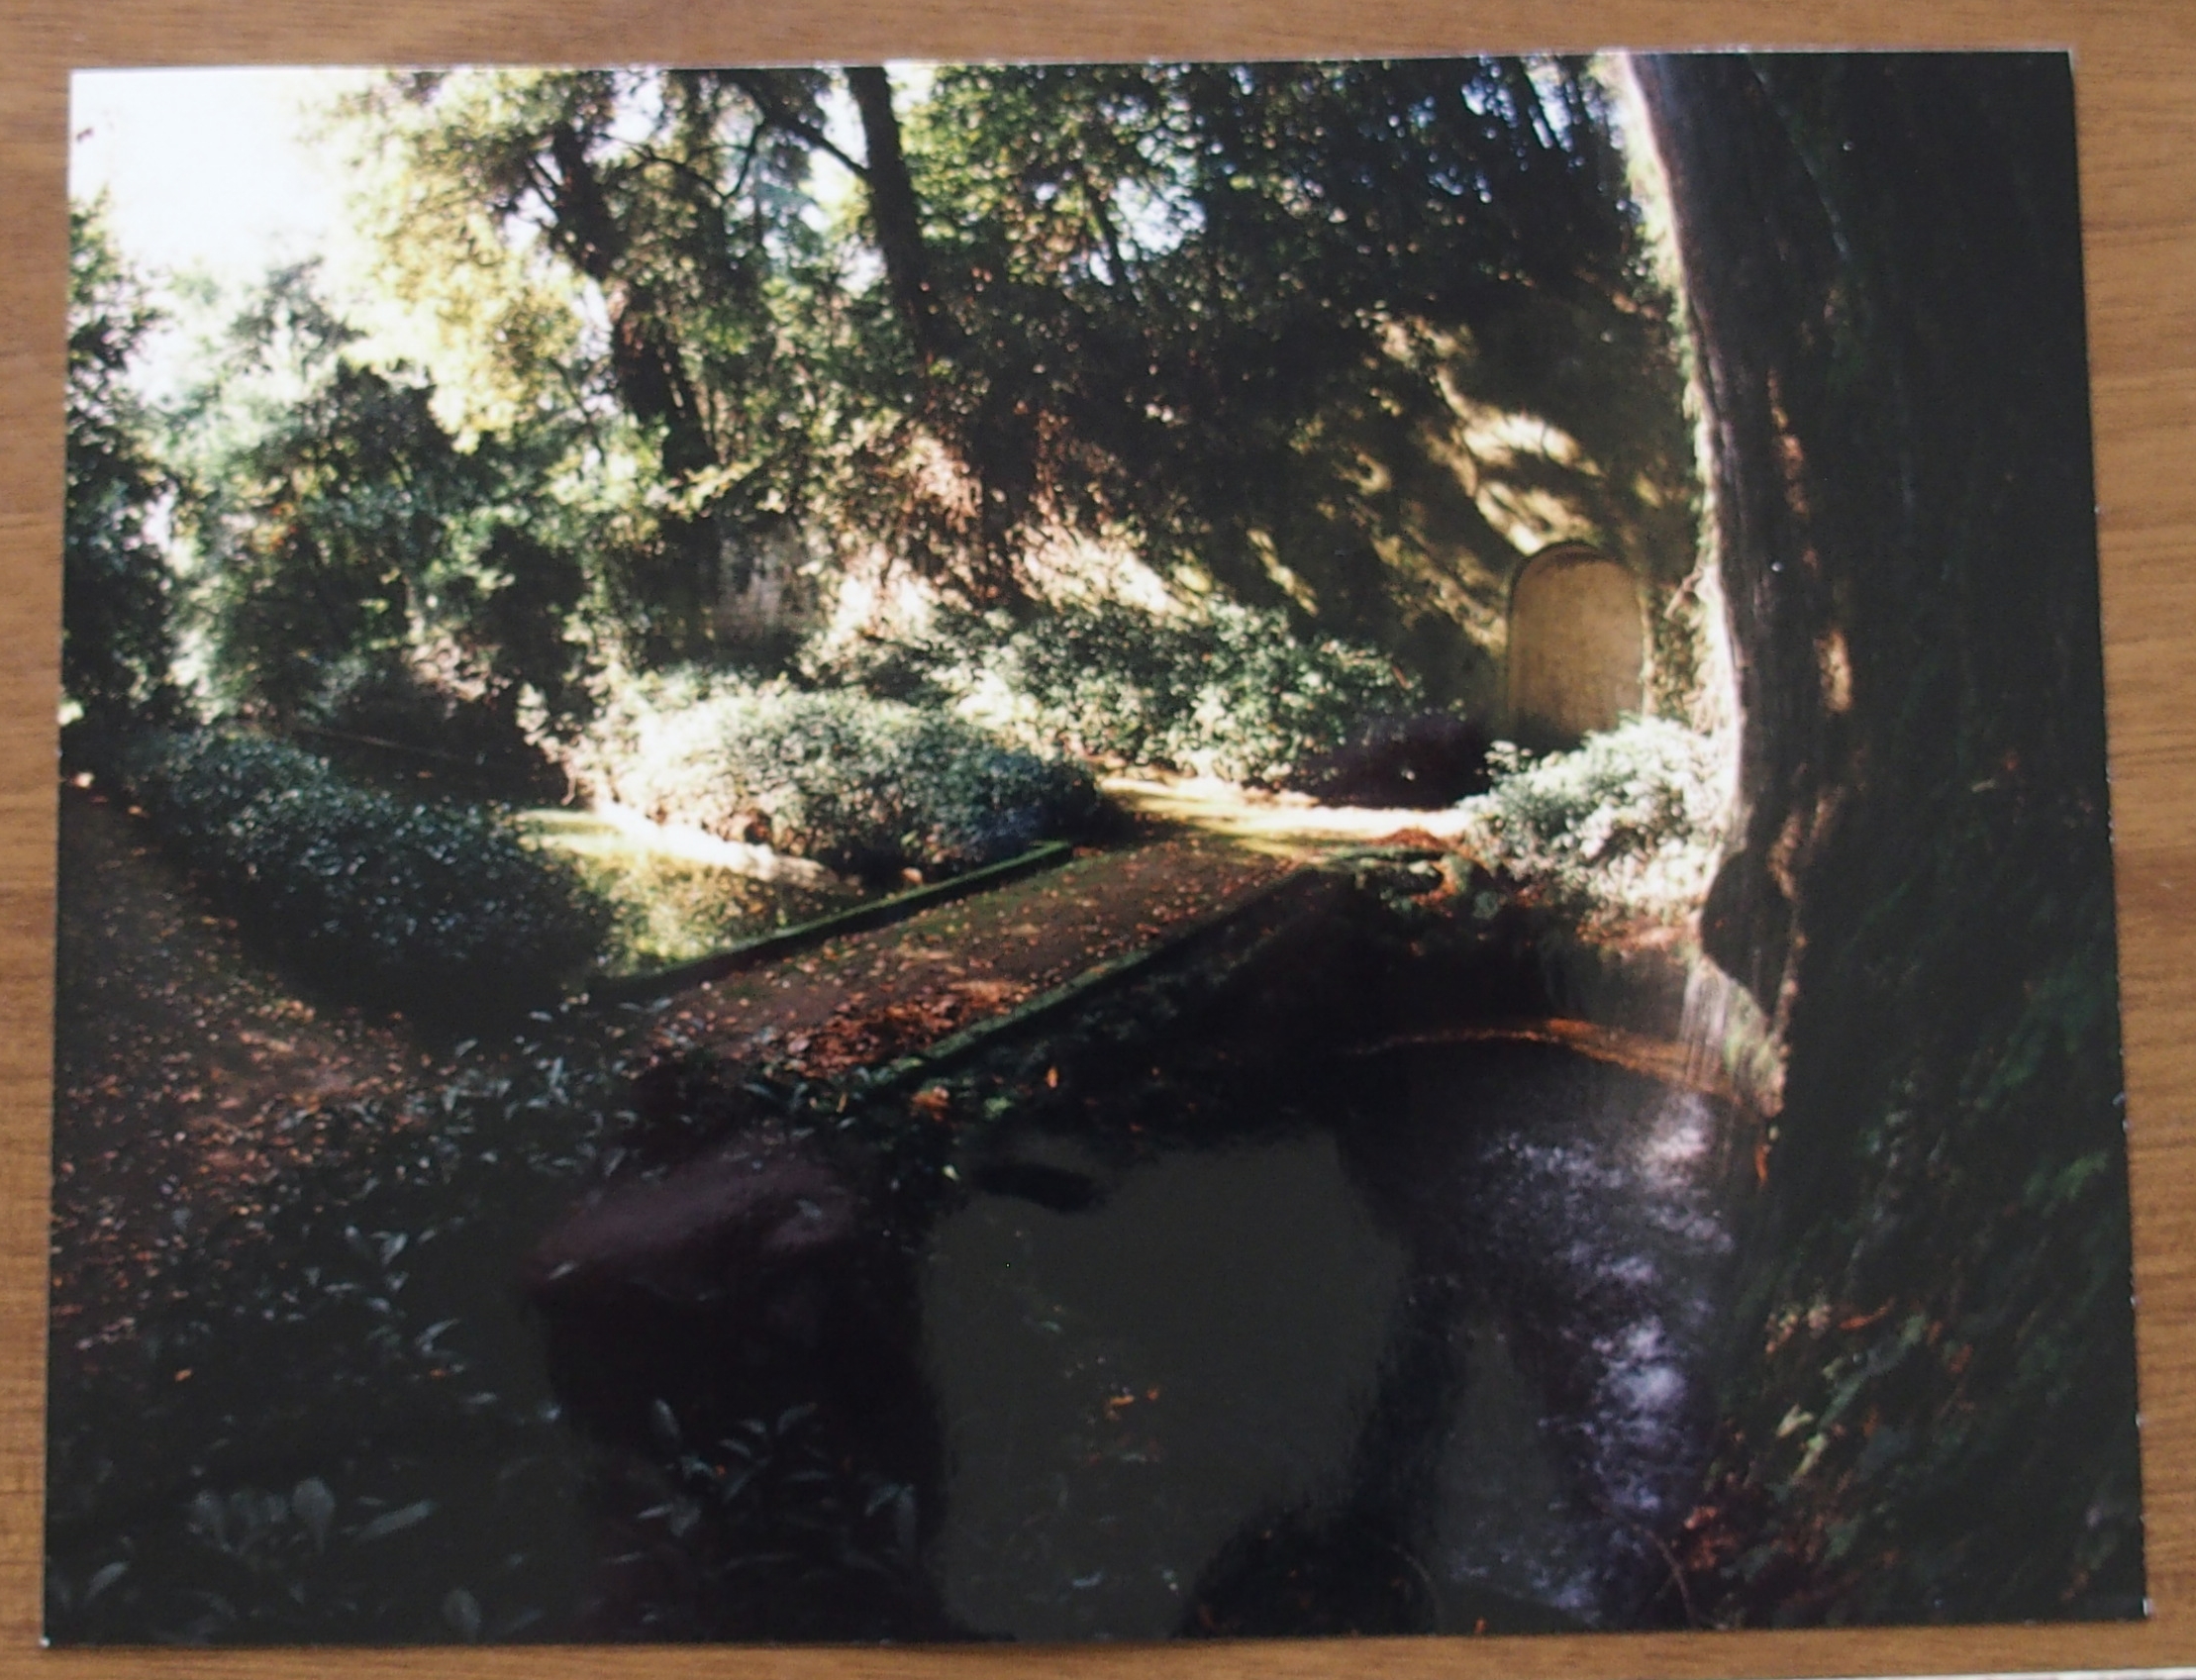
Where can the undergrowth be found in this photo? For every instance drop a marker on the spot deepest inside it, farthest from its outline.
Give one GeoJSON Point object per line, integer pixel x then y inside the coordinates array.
{"type": "Point", "coordinates": [378, 896]}
{"type": "Point", "coordinates": [862, 785]}
{"type": "Point", "coordinates": [1225, 691]}
{"type": "Point", "coordinates": [1626, 825]}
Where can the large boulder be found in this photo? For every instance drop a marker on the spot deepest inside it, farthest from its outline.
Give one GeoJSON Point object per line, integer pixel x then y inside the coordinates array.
{"type": "Point", "coordinates": [748, 1279]}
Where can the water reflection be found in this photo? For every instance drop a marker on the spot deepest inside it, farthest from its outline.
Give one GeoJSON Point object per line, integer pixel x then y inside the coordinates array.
{"type": "Point", "coordinates": [1247, 1307]}
{"type": "Point", "coordinates": [677, 895]}
{"type": "Point", "coordinates": [1440, 1362]}
{"type": "Point", "coordinates": [1591, 1214]}
{"type": "Point", "coordinates": [1121, 1386]}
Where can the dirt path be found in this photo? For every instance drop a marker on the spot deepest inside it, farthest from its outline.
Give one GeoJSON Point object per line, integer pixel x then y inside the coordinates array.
{"type": "Point", "coordinates": [880, 994]}
{"type": "Point", "coordinates": [185, 1077]}
{"type": "Point", "coordinates": [1278, 825]}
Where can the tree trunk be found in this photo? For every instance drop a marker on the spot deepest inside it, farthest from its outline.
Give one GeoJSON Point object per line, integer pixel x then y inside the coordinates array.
{"type": "Point", "coordinates": [894, 211]}
{"type": "Point", "coordinates": [649, 371]}
{"type": "Point", "coordinates": [1882, 257]}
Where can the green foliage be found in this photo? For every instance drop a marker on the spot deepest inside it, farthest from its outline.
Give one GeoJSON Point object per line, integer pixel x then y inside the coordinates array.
{"type": "Point", "coordinates": [1228, 691]}
{"type": "Point", "coordinates": [511, 612]}
{"type": "Point", "coordinates": [349, 531]}
{"type": "Point", "coordinates": [345, 510]}
{"type": "Point", "coordinates": [1252, 320]}
{"type": "Point", "coordinates": [667, 909]}
{"type": "Point", "coordinates": [675, 199]}
{"type": "Point", "coordinates": [1630, 823]}
{"type": "Point", "coordinates": [117, 636]}
{"type": "Point", "coordinates": [396, 724]}
{"type": "Point", "coordinates": [862, 785]}
{"type": "Point", "coordinates": [1228, 306]}
{"type": "Point", "coordinates": [1258, 322]}
{"type": "Point", "coordinates": [382, 897]}
{"type": "Point", "coordinates": [1947, 1316]}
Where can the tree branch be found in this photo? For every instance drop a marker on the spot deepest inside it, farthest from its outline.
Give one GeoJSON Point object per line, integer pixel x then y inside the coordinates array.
{"type": "Point", "coordinates": [776, 114]}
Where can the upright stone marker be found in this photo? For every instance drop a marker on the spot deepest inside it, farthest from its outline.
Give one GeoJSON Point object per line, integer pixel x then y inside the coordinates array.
{"type": "Point", "coordinates": [1577, 647]}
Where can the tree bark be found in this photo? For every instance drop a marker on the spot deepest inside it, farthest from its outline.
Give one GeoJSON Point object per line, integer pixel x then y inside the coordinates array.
{"type": "Point", "coordinates": [1882, 262]}
{"type": "Point", "coordinates": [894, 211]}
{"type": "Point", "coordinates": [646, 365]}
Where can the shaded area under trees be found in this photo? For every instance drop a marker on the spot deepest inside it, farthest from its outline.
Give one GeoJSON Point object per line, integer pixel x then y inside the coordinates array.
{"type": "Point", "coordinates": [117, 632]}
{"type": "Point", "coordinates": [1329, 348]}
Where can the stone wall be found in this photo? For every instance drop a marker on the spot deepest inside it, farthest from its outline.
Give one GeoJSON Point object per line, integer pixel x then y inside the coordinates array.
{"type": "Point", "coordinates": [1577, 654]}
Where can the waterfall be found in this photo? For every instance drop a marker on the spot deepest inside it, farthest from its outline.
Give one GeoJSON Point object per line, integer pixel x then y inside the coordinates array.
{"type": "Point", "coordinates": [1727, 1041]}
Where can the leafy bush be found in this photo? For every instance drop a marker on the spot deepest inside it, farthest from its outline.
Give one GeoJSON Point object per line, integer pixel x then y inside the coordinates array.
{"type": "Point", "coordinates": [863, 785]}
{"type": "Point", "coordinates": [1231, 692]}
{"type": "Point", "coordinates": [1631, 822]}
{"type": "Point", "coordinates": [387, 898]}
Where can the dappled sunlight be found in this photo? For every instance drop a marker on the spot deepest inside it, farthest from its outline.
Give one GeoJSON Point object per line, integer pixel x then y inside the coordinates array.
{"type": "Point", "coordinates": [609, 829]}
{"type": "Point", "coordinates": [1279, 824]}
{"type": "Point", "coordinates": [1497, 437]}
{"type": "Point", "coordinates": [1038, 1177]}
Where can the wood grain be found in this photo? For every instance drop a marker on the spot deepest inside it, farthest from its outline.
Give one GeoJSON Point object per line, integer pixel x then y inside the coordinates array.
{"type": "Point", "coordinates": [2135, 70]}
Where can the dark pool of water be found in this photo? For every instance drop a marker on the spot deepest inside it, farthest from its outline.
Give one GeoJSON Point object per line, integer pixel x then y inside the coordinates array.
{"type": "Point", "coordinates": [1441, 1357]}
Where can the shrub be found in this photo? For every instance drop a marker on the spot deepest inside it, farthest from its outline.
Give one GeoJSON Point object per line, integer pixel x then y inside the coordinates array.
{"type": "Point", "coordinates": [389, 898]}
{"type": "Point", "coordinates": [1629, 824]}
{"type": "Point", "coordinates": [862, 785]}
{"type": "Point", "coordinates": [1231, 692]}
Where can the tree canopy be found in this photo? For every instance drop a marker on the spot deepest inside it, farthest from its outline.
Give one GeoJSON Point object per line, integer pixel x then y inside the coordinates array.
{"type": "Point", "coordinates": [117, 640]}
{"type": "Point", "coordinates": [1344, 342]}
{"type": "Point", "coordinates": [1235, 315]}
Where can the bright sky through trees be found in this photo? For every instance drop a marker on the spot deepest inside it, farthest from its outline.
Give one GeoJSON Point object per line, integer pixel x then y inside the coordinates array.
{"type": "Point", "coordinates": [249, 186]}
{"type": "Point", "coordinates": [208, 168]}
{"type": "Point", "coordinates": [223, 172]}
{"type": "Point", "coordinates": [209, 172]}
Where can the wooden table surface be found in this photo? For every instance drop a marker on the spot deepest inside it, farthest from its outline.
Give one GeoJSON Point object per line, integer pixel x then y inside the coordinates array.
{"type": "Point", "coordinates": [2136, 72]}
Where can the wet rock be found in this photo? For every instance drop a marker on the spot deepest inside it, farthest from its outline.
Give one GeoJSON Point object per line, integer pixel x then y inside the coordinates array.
{"type": "Point", "coordinates": [737, 1225]}
{"type": "Point", "coordinates": [751, 1279]}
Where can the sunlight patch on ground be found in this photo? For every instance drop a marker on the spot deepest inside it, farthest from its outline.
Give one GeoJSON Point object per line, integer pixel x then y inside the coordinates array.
{"type": "Point", "coordinates": [1279, 824]}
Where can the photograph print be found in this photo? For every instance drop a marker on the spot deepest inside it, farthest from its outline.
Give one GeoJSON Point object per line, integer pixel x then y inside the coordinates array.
{"type": "Point", "coordinates": [971, 852]}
